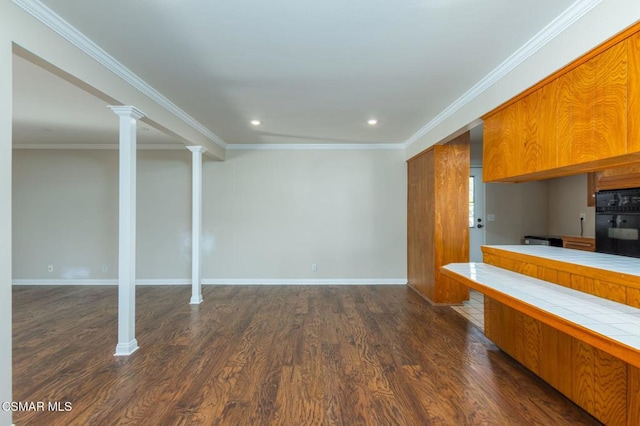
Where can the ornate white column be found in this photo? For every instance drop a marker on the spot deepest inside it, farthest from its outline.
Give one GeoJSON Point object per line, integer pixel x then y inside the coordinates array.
{"type": "Point", "coordinates": [196, 224]}
{"type": "Point", "coordinates": [127, 343]}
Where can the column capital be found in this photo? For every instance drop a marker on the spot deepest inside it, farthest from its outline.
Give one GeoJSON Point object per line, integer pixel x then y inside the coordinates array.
{"type": "Point", "coordinates": [127, 111]}
{"type": "Point", "coordinates": [196, 148]}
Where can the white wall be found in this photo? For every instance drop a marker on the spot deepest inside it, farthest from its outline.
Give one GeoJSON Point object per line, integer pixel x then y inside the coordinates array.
{"type": "Point", "coordinates": [567, 199]}
{"type": "Point", "coordinates": [271, 214]}
{"type": "Point", "coordinates": [520, 209]}
{"type": "Point", "coordinates": [267, 215]}
{"type": "Point", "coordinates": [163, 248]}
{"type": "Point", "coordinates": [5, 221]}
{"type": "Point", "coordinates": [65, 209]}
{"type": "Point", "coordinates": [476, 135]}
{"type": "Point", "coordinates": [548, 207]}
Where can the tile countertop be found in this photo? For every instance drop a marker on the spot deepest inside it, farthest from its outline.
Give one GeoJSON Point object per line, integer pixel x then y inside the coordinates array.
{"type": "Point", "coordinates": [614, 320]}
{"type": "Point", "coordinates": [607, 262]}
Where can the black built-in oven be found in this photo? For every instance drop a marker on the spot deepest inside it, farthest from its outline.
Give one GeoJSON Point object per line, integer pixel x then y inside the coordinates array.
{"type": "Point", "coordinates": [618, 222]}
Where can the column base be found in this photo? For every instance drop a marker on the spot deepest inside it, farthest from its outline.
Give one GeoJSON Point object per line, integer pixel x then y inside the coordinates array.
{"type": "Point", "coordinates": [196, 300]}
{"type": "Point", "coordinates": [124, 349]}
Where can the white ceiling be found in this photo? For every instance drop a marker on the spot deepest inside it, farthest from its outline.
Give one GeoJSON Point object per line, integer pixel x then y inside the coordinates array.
{"type": "Point", "coordinates": [49, 110]}
{"type": "Point", "coordinates": [311, 71]}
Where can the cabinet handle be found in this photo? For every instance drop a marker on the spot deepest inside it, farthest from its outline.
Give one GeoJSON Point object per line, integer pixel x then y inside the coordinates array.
{"type": "Point", "coordinates": [575, 243]}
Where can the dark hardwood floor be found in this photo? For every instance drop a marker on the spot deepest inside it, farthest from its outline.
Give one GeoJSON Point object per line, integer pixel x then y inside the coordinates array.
{"type": "Point", "coordinates": [252, 355]}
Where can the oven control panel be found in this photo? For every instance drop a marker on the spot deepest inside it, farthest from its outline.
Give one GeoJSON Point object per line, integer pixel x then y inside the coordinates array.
{"type": "Point", "coordinates": [621, 200]}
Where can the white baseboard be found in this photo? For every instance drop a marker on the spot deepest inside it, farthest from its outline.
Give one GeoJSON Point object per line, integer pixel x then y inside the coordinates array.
{"type": "Point", "coordinates": [63, 281]}
{"type": "Point", "coordinates": [316, 281]}
{"type": "Point", "coordinates": [220, 281]}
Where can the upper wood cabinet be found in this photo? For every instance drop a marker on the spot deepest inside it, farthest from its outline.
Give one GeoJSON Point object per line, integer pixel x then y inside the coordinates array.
{"type": "Point", "coordinates": [597, 109]}
{"type": "Point", "coordinates": [530, 111]}
{"type": "Point", "coordinates": [550, 127]}
{"type": "Point", "coordinates": [610, 115]}
{"type": "Point", "coordinates": [584, 118]}
{"type": "Point", "coordinates": [501, 146]}
{"type": "Point", "coordinates": [581, 110]}
{"type": "Point", "coordinates": [633, 93]}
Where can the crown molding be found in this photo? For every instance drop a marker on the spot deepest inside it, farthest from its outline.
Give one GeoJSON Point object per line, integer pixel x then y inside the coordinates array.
{"type": "Point", "coordinates": [103, 146]}
{"type": "Point", "coordinates": [52, 20]}
{"type": "Point", "coordinates": [302, 146]}
{"type": "Point", "coordinates": [572, 14]}
{"type": "Point", "coordinates": [168, 147]}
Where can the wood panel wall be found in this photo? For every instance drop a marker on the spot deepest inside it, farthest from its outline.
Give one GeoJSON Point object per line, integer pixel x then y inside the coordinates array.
{"type": "Point", "coordinates": [438, 219]}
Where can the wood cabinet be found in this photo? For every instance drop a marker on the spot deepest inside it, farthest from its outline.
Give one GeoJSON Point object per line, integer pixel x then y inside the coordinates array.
{"type": "Point", "coordinates": [584, 118]}
{"type": "Point", "coordinates": [515, 139]}
{"type": "Point", "coordinates": [602, 384]}
{"type": "Point", "coordinates": [579, 243]}
{"type": "Point", "coordinates": [617, 178]}
{"type": "Point", "coordinates": [610, 110]}
{"type": "Point", "coordinates": [633, 95]}
{"type": "Point", "coordinates": [552, 129]}
{"type": "Point", "coordinates": [581, 110]}
{"type": "Point", "coordinates": [598, 108]}
{"type": "Point", "coordinates": [501, 147]}
{"type": "Point", "coordinates": [438, 219]}
{"type": "Point", "coordinates": [597, 371]}
{"type": "Point", "coordinates": [529, 114]}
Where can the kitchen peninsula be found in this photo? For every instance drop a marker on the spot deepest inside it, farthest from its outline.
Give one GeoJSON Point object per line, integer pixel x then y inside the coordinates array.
{"type": "Point", "coordinates": [569, 316]}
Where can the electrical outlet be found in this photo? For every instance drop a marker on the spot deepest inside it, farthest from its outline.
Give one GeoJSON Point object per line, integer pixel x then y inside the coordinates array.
{"type": "Point", "coordinates": [314, 267]}
{"type": "Point", "coordinates": [105, 268]}
{"type": "Point", "coordinates": [583, 216]}
{"type": "Point", "coordinates": [50, 268]}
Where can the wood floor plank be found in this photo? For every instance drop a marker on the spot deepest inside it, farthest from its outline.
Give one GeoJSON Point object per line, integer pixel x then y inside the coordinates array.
{"type": "Point", "coordinates": [253, 355]}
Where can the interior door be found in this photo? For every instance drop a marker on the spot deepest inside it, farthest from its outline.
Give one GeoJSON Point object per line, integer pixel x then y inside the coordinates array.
{"type": "Point", "coordinates": [476, 214]}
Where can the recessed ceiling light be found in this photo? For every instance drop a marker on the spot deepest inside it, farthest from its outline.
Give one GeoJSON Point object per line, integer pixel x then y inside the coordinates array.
{"type": "Point", "coordinates": [255, 122]}
{"type": "Point", "coordinates": [372, 122]}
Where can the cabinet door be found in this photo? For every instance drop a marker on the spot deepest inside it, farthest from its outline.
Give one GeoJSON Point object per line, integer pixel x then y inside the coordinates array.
{"type": "Point", "coordinates": [493, 159]}
{"type": "Point", "coordinates": [610, 115]}
{"type": "Point", "coordinates": [633, 87]}
{"type": "Point", "coordinates": [502, 144]}
{"type": "Point", "coordinates": [581, 147]}
{"type": "Point", "coordinates": [563, 93]}
{"type": "Point", "coordinates": [529, 119]}
{"type": "Point", "coordinates": [548, 126]}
